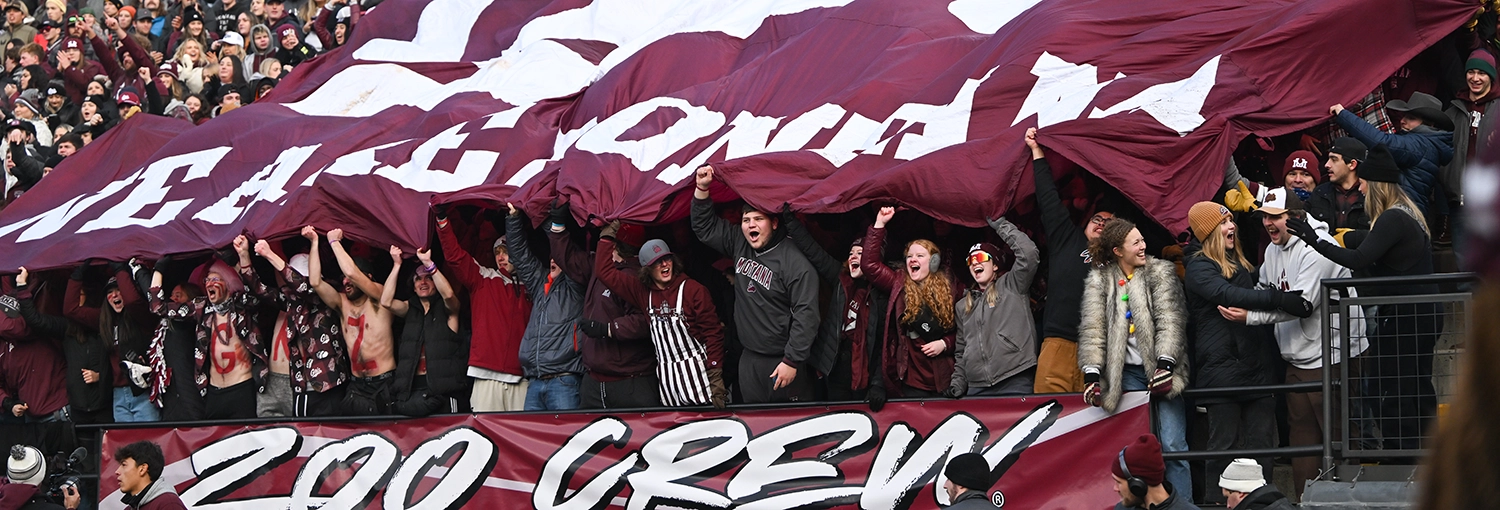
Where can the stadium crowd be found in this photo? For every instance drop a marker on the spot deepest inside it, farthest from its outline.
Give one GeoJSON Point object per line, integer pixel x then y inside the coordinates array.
{"type": "Point", "coordinates": [736, 305]}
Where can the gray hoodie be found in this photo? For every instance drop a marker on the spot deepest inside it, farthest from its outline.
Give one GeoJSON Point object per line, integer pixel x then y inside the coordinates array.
{"type": "Point", "coordinates": [996, 333]}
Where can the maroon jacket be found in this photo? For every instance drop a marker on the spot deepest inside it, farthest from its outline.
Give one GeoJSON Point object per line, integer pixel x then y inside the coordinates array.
{"type": "Point", "coordinates": [697, 306]}
{"type": "Point", "coordinates": [628, 352]}
{"type": "Point", "coordinates": [904, 361]}
{"type": "Point", "coordinates": [76, 79]}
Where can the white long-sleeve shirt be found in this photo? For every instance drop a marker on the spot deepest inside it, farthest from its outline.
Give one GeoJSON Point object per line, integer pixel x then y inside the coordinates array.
{"type": "Point", "coordinates": [1297, 266]}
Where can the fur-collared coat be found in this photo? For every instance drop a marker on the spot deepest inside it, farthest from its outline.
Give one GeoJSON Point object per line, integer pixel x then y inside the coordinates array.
{"type": "Point", "coordinates": [1160, 324]}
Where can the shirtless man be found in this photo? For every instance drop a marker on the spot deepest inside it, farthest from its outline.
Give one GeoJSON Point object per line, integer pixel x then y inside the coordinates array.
{"type": "Point", "coordinates": [367, 331]}
{"type": "Point", "coordinates": [230, 357]}
{"type": "Point", "coordinates": [307, 335]}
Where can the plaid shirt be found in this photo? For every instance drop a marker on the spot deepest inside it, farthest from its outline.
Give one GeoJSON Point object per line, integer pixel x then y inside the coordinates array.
{"type": "Point", "coordinates": [1372, 109]}
{"type": "Point", "coordinates": [316, 349]}
{"type": "Point", "coordinates": [200, 311]}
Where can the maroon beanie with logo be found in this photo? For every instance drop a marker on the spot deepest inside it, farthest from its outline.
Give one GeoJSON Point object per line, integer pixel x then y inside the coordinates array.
{"type": "Point", "coordinates": [1143, 459]}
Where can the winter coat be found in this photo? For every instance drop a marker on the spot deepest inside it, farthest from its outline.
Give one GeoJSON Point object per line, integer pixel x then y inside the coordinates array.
{"type": "Point", "coordinates": [1421, 153]}
{"type": "Point", "coordinates": [1265, 498]}
{"type": "Point", "coordinates": [996, 333]}
{"type": "Point", "coordinates": [158, 496]}
{"type": "Point", "coordinates": [628, 351]}
{"type": "Point", "coordinates": [550, 345]}
{"type": "Point", "coordinates": [1323, 205]}
{"type": "Point", "coordinates": [447, 351]}
{"type": "Point", "coordinates": [500, 305]}
{"type": "Point", "coordinates": [1160, 314]}
{"type": "Point", "coordinates": [24, 496]}
{"type": "Point", "coordinates": [1226, 353]}
{"type": "Point", "coordinates": [832, 331]}
{"type": "Point", "coordinates": [903, 360]}
{"type": "Point", "coordinates": [83, 349]}
{"type": "Point", "coordinates": [1462, 114]}
{"type": "Point", "coordinates": [1177, 501]}
{"type": "Point", "coordinates": [972, 500]}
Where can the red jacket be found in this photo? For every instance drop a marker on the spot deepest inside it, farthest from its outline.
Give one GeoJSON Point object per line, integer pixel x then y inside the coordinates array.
{"type": "Point", "coordinates": [500, 307]}
{"type": "Point", "coordinates": [904, 362]}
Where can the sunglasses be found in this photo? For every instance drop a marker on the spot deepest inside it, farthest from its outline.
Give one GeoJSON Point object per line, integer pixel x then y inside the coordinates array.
{"type": "Point", "coordinates": [980, 257]}
{"type": "Point", "coordinates": [1100, 220]}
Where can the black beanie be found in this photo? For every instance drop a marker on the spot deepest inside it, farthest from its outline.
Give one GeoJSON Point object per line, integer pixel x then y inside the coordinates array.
{"type": "Point", "coordinates": [970, 471]}
{"type": "Point", "coordinates": [1381, 167]}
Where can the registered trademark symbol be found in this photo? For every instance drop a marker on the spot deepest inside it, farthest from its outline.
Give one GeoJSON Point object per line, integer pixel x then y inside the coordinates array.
{"type": "Point", "coordinates": [998, 499]}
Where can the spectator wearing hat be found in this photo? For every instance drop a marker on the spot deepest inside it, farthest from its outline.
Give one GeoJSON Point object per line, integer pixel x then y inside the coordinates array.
{"type": "Point", "coordinates": [277, 14]}
{"type": "Point", "coordinates": [50, 36]}
{"type": "Point", "coordinates": [76, 26]}
{"type": "Point", "coordinates": [29, 109]}
{"type": "Point", "coordinates": [500, 310]}
{"type": "Point", "coordinates": [921, 322]}
{"type": "Point", "coordinates": [99, 114]}
{"type": "Point", "coordinates": [1300, 173]}
{"type": "Point", "coordinates": [684, 327]}
{"type": "Point", "coordinates": [1291, 265]}
{"type": "Point", "coordinates": [123, 67]}
{"type": "Point", "coordinates": [15, 22]}
{"type": "Point", "coordinates": [1067, 264]}
{"type": "Point", "coordinates": [1132, 334]}
{"type": "Point", "coordinates": [124, 17]}
{"type": "Point", "coordinates": [26, 471]}
{"type": "Point", "coordinates": [549, 354]}
{"type": "Point", "coordinates": [1140, 480]}
{"type": "Point", "coordinates": [1244, 487]}
{"type": "Point", "coordinates": [54, 11]}
{"type": "Point", "coordinates": [619, 359]}
{"type": "Point", "coordinates": [232, 44]}
{"type": "Point", "coordinates": [1421, 147]}
{"type": "Point", "coordinates": [90, 372]}
{"type": "Point", "coordinates": [25, 154]}
{"type": "Point", "coordinates": [58, 109]}
{"type": "Point", "coordinates": [995, 348]}
{"type": "Point", "coordinates": [293, 51]}
{"type": "Point", "coordinates": [1402, 343]}
{"type": "Point", "coordinates": [847, 351]}
{"type": "Point", "coordinates": [1340, 202]}
{"type": "Point", "coordinates": [33, 375]}
{"type": "Point", "coordinates": [341, 16]}
{"type": "Point", "coordinates": [124, 324]}
{"type": "Point", "coordinates": [1469, 112]}
{"type": "Point", "coordinates": [168, 84]}
{"type": "Point", "coordinates": [969, 481]}
{"type": "Point", "coordinates": [192, 28]}
{"type": "Point", "coordinates": [156, 12]}
{"type": "Point", "coordinates": [1227, 353]}
{"type": "Point", "coordinates": [76, 70]}
{"type": "Point", "coordinates": [142, 26]}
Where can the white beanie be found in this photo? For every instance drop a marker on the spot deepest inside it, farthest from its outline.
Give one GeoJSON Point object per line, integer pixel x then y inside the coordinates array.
{"type": "Point", "coordinates": [1242, 475]}
{"type": "Point", "coordinates": [26, 465]}
{"type": "Point", "coordinates": [299, 264]}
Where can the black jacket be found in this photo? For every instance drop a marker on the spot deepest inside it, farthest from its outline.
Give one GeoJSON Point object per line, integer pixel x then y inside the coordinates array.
{"type": "Point", "coordinates": [1265, 498]}
{"type": "Point", "coordinates": [1324, 206]}
{"type": "Point", "coordinates": [1067, 258]}
{"type": "Point", "coordinates": [83, 349]}
{"type": "Point", "coordinates": [972, 500]}
{"type": "Point", "coordinates": [1226, 353]}
{"type": "Point", "coordinates": [826, 349]}
{"type": "Point", "coordinates": [447, 350]}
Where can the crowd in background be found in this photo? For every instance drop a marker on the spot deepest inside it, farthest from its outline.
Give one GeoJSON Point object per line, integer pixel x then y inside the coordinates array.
{"type": "Point", "coordinates": [736, 304]}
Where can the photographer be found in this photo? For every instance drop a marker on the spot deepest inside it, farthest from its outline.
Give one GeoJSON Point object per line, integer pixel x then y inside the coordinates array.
{"type": "Point", "coordinates": [26, 469]}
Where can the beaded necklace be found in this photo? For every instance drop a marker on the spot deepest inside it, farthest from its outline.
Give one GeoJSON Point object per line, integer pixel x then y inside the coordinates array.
{"type": "Point", "coordinates": [1129, 314]}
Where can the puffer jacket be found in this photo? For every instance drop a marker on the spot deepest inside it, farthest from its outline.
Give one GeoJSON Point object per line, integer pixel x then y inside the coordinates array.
{"type": "Point", "coordinates": [1421, 153]}
{"type": "Point", "coordinates": [551, 342]}
{"type": "Point", "coordinates": [1226, 353]}
{"type": "Point", "coordinates": [426, 333]}
{"type": "Point", "coordinates": [1161, 325]}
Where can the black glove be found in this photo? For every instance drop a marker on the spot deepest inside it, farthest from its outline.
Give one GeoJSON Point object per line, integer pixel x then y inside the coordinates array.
{"type": "Point", "coordinates": [876, 398]}
{"type": "Point", "coordinates": [1298, 226]}
{"type": "Point", "coordinates": [163, 263]}
{"type": "Point", "coordinates": [228, 255]}
{"type": "Point", "coordinates": [593, 328]}
{"type": "Point", "coordinates": [1291, 302]}
{"type": "Point", "coordinates": [952, 392]}
{"type": "Point", "coordinates": [79, 271]}
{"type": "Point", "coordinates": [116, 267]}
{"type": "Point", "coordinates": [440, 211]}
{"type": "Point", "coordinates": [560, 216]}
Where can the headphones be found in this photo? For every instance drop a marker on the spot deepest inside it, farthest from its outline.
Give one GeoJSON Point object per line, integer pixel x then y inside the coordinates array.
{"type": "Point", "coordinates": [1137, 486]}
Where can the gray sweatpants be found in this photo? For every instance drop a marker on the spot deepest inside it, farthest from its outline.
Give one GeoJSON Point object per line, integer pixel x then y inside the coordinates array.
{"type": "Point", "coordinates": [276, 400]}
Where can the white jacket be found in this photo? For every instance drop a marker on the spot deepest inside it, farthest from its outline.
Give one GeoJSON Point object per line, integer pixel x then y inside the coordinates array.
{"type": "Point", "coordinates": [1297, 266]}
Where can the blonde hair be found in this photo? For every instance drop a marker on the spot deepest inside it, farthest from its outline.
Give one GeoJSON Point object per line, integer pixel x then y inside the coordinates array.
{"type": "Point", "coordinates": [1384, 196]}
{"type": "Point", "coordinates": [934, 292]}
{"type": "Point", "coordinates": [1227, 259]}
{"type": "Point", "coordinates": [182, 49]}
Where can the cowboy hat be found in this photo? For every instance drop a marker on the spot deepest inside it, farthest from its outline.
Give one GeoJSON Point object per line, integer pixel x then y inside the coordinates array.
{"type": "Point", "coordinates": [1428, 108]}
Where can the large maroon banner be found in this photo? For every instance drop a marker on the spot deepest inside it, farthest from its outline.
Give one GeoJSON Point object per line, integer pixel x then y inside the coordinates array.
{"type": "Point", "coordinates": [1045, 454]}
{"type": "Point", "coordinates": [823, 104]}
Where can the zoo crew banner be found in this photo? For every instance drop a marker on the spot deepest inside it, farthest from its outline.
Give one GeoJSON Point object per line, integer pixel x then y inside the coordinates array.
{"type": "Point", "coordinates": [1044, 453]}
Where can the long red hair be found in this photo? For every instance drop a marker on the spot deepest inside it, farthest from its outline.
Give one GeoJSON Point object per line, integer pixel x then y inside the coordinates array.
{"type": "Point", "coordinates": [935, 292]}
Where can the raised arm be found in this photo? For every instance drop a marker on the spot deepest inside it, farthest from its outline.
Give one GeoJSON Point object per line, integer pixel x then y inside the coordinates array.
{"type": "Point", "coordinates": [875, 270]}
{"type": "Point", "coordinates": [572, 258]}
{"type": "Point", "coordinates": [325, 291]}
{"type": "Point", "coordinates": [346, 264]}
{"type": "Point", "coordinates": [1383, 237]}
{"type": "Point", "coordinates": [1056, 222]}
{"type": "Point", "coordinates": [46, 324]}
{"type": "Point", "coordinates": [825, 264]}
{"type": "Point", "coordinates": [623, 284]}
{"type": "Point", "coordinates": [388, 291]}
{"type": "Point", "coordinates": [712, 231]}
{"type": "Point", "coordinates": [532, 272]}
{"type": "Point", "coordinates": [445, 289]}
{"type": "Point", "coordinates": [73, 302]}
{"type": "Point", "coordinates": [1028, 258]}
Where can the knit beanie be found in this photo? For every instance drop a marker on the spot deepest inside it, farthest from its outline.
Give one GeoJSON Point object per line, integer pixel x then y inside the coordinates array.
{"type": "Point", "coordinates": [1380, 167]}
{"type": "Point", "coordinates": [1242, 475]}
{"type": "Point", "coordinates": [989, 248]}
{"type": "Point", "coordinates": [1482, 60]}
{"type": "Point", "coordinates": [63, 6]}
{"type": "Point", "coordinates": [1303, 160]}
{"type": "Point", "coordinates": [25, 465]}
{"type": "Point", "coordinates": [970, 471]}
{"type": "Point", "coordinates": [1204, 217]}
{"type": "Point", "coordinates": [1143, 459]}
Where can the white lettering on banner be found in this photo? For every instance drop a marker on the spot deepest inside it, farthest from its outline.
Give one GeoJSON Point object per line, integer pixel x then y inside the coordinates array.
{"type": "Point", "coordinates": [417, 175]}
{"type": "Point", "coordinates": [748, 136]}
{"type": "Point", "coordinates": [1176, 105]}
{"type": "Point", "coordinates": [152, 189]}
{"type": "Point", "coordinates": [1061, 92]}
{"type": "Point", "coordinates": [764, 471]}
{"type": "Point", "coordinates": [376, 456]}
{"type": "Point", "coordinates": [646, 153]}
{"type": "Point", "coordinates": [265, 185]}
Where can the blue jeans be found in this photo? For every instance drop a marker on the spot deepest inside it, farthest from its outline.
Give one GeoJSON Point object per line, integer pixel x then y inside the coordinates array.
{"type": "Point", "coordinates": [1169, 423]}
{"type": "Point", "coordinates": [556, 394]}
{"type": "Point", "coordinates": [129, 407]}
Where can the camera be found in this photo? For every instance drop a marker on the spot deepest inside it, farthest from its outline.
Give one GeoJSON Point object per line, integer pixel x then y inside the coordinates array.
{"type": "Point", "coordinates": [64, 472]}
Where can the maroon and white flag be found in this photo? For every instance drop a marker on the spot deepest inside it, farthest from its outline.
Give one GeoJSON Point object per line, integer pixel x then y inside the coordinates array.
{"type": "Point", "coordinates": [823, 104]}
{"type": "Point", "coordinates": [1043, 453]}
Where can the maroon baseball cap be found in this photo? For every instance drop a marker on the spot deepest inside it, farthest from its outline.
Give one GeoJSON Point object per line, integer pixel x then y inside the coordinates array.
{"type": "Point", "coordinates": [129, 97]}
{"type": "Point", "coordinates": [72, 43]}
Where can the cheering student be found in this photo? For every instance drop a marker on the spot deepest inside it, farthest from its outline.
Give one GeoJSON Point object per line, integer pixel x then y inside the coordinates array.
{"type": "Point", "coordinates": [501, 308]}
{"type": "Point", "coordinates": [1133, 335]}
{"type": "Point", "coordinates": [230, 356]}
{"type": "Point", "coordinates": [308, 334]}
{"type": "Point", "coordinates": [366, 328]}
{"type": "Point", "coordinates": [995, 350]}
{"type": "Point", "coordinates": [88, 358]}
{"type": "Point", "coordinates": [549, 349]}
{"type": "Point", "coordinates": [847, 351]}
{"type": "Point", "coordinates": [684, 327]}
{"type": "Point", "coordinates": [776, 298]}
{"type": "Point", "coordinates": [1405, 334]}
{"type": "Point", "coordinates": [920, 320]}
{"type": "Point", "coordinates": [432, 356]}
